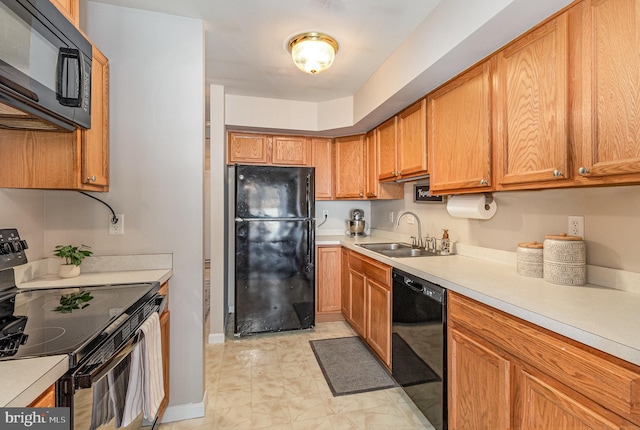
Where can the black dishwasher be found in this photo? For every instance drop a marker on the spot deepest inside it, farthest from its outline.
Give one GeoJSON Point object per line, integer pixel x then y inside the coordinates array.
{"type": "Point", "coordinates": [419, 344]}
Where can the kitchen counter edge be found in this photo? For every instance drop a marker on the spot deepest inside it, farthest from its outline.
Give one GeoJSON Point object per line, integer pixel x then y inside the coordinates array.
{"type": "Point", "coordinates": [603, 318]}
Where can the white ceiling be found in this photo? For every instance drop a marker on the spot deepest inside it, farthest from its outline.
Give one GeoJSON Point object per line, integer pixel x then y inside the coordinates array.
{"type": "Point", "coordinates": [246, 41]}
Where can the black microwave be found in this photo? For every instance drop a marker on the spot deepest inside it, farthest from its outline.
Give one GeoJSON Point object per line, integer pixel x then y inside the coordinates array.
{"type": "Point", "coordinates": [45, 68]}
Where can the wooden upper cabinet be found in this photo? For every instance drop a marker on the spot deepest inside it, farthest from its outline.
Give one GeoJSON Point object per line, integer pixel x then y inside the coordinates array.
{"type": "Point", "coordinates": [95, 141]}
{"type": "Point", "coordinates": [532, 106]}
{"type": "Point", "coordinates": [70, 9]}
{"type": "Point", "coordinates": [374, 189]}
{"type": "Point", "coordinates": [386, 135]}
{"type": "Point", "coordinates": [412, 141]}
{"type": "Point", "coordinates": [290, 151]}
{"type": "Point", "coordinates": [78, 160]}
{"type": "Point", "coordinates": [606, 113]}
{"type": "Point", "coordinates": [322, 150]}
{"type": "Point", "coordinates": [349, 167]}
{"type": "Point", "coordinates": [248, 148]}
{"type": "Point", "coordinates": [459, 121]}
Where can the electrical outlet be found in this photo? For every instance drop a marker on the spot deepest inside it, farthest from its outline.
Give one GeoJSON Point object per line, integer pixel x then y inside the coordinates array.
{"type": "Point", "coordinates": [390, 216]}
{"type": "Point", "coordinates": [117, 228]}
{"type": "Point", "coordinates": [411, 219]}
{"type": "Point", "coordinates": [325, 213]}
{"type": "Point", "coordinates": [576, 226]}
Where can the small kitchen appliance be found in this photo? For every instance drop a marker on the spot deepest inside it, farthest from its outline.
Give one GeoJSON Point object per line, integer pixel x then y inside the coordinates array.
{"type": "Point", "coordinates": [356, 225]}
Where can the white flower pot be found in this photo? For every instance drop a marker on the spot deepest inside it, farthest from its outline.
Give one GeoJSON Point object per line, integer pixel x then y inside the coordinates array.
{"type": "Point", "coordinates": [69, 271]}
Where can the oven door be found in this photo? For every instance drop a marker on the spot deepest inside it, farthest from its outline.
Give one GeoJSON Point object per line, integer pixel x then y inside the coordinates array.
{"type": "Point", "coordinates": [92, 403]}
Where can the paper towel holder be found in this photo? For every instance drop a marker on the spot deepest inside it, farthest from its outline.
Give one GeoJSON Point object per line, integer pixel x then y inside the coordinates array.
{"type": "Point", "coordinates": [488, 199]}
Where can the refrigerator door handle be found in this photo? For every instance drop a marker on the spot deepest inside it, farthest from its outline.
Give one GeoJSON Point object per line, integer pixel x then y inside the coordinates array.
{"type": "Point", "coordinates": [311, 242]}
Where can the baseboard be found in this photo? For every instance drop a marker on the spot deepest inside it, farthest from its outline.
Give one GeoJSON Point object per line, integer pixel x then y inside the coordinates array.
{"type": "Point", "coordinates": [185, 412]}
{"type": "Point", "coordinates": [216, 338]}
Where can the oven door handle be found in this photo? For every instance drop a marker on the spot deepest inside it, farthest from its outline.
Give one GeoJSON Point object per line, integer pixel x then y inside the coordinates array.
{"type": "Point", "coordinates": [85, 377]}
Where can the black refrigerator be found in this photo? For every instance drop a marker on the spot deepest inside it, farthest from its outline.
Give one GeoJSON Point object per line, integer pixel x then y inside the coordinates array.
{"type": "Point", "coordinates": [274, 249]}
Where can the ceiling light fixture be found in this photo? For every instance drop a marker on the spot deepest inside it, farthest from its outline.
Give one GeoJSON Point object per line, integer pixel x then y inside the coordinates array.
{"type": "Point", "coordinates": [313, 52]}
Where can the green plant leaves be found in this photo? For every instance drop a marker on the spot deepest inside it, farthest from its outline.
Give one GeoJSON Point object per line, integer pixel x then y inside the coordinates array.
{"type": "Point", "coordinates": [72, 254]}
{"type": "Point", "coordinates": [71, 302]}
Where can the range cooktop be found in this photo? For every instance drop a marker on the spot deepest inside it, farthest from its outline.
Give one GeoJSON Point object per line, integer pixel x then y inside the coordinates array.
{"type": "Point", "coordinates": [41, 322]}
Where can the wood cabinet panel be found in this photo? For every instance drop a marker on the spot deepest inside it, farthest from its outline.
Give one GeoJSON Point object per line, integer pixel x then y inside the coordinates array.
{"type": "Point", "coordinates": [345, 285]}
{"type": "Point", "coordinates": [479, 385]}
{"type": "Point", "coordinates": [460, 132]}
{"type": "Point", "coordinates": [612, 383]}
{"type": "Point", "coordinates": [543, 406]}
{"type": "Point", "coordinates": [70, 9]}
{"type": "Point", "coordinates": [45, 400]}
{"type": "Point", "coordinates": [606, 87]}
{"type": "Point", "coordinates": [290, 151]}
{"type": "Point", "coordinates": [248, 148]}
{"type": "Point", "coordinates": [357, 309]}
{"type": "Point", "coordinates": [165, 334]}
{"type": "Point", "coordinates": [374, 189]}
{"type": "Point", "coordinates": [379, 319]}
{"type": "Point", "coordinates": [532, 106]}
{"type": "Point", "coordinates": [349, 168]}
{"type": "Point", "coordinates": [386, 135]}
{"type": "Point", "coordinates": [328, 283]}
{"type": "Point", "coordinates": [95, 141]}
{"type": "Point", "coordinates": [322, 149]}
{"type": "Point", "coordinates": [412, 141]}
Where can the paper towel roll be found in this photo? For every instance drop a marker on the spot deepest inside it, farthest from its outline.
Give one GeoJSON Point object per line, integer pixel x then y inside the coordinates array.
{"type": "Point", "coordinates": [471, 206]}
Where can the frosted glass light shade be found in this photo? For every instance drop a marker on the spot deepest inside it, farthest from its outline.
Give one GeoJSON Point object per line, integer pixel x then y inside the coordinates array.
{"type": "Point", "coordinates": [313, 52]}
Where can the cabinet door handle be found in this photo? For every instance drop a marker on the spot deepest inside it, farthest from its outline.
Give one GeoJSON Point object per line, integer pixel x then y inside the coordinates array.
{"type": "Point", "coordinates": [483, 182]}
{"type": "Point", "coordinates": [361, 194]}
{"type": "Point", "coordinates": [393, 173]}
{"type": "Point", "coordinates": [583, 171]}
{"type": "Point", "coordinates": [399, 173]}
{"type": "Point", "coordinates": [91, 178]}
{"type": "Point", "coordinates": [557, 173]}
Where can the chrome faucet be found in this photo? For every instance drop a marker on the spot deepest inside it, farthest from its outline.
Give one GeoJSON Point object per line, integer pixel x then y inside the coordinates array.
{"type": "Point", "coordinates": [417, 242]}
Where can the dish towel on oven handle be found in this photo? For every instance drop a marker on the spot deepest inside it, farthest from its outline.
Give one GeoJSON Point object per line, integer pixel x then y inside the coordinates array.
{"type": "Point", "coordinates": [146, 385]}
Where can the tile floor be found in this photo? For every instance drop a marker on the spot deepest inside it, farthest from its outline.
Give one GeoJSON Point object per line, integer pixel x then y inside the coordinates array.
{"type": "Point", "coordinates": [273, 381]}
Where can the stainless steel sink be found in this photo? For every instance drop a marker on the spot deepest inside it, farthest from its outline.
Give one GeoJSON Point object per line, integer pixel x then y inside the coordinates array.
{"type": "Point", "coordinates": [396, 249]}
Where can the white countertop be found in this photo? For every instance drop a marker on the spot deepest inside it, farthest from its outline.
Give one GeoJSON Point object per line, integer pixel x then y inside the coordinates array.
{"type": "Point", "coordinates": [604, 318]}
{"type": "Point", "coordinates": [22, 381]}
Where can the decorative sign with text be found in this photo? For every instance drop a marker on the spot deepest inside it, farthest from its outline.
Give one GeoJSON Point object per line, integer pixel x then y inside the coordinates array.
{"type": "Point", "coordinates": [421, 194]}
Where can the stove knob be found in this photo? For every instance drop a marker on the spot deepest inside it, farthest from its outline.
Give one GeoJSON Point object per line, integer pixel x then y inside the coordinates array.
{"type": "Point", "coordinates": [16, 246]}
{"type": "Point", "coordinates": [24, 245]}
{"type": "Point", "coordinates": [5, 248]}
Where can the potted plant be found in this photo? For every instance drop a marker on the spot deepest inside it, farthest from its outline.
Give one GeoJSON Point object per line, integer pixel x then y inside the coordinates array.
{"type": "Point", "coordinates": [73, 256]}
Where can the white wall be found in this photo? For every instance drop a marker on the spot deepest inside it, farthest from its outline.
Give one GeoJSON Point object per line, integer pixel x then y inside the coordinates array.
{"type": "Point", "coordinates": [611, 214]}
{"type": "Point", "coordinates": [218, 210]}
{"type": "Point", "coordinates": [157, 168]}
{"type": "Point", "coordinates": [24, 210]}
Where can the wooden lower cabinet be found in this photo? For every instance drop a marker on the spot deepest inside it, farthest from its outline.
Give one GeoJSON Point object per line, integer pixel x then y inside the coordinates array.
{"type": "Point", "coordinates": [507, 373]}
{"type": "Point", "coordinates": [165, 333]}
{"type": "Point", "coordinates": [378, 307]}
{"type": "Point", "coordinates": [368, 305]}
{"type": "Point", "coordinates": [479, 385]}
{"type": "Point", "coordinates": [328, 283]}
{"type": "Point", "coordinates": [45, 400]}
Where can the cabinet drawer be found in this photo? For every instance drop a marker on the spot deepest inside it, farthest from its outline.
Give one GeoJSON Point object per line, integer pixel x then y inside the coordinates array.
{"type": "Point", "coordinates": [609, 381]}
{"type": "Point", "coordinates": [372, 268]}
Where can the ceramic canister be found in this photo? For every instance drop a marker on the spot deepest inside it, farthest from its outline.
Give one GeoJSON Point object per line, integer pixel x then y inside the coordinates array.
{"type": "Point", "coordinates": [529, 259]}
{"type": "Point", "coordinates": [565, 260]}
